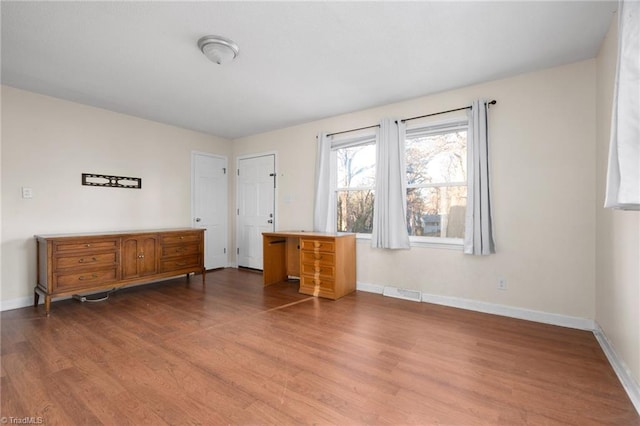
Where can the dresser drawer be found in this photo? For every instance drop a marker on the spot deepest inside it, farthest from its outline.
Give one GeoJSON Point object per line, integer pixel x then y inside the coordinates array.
{"type": "Point", "coordinates": [177, 263]}
{"type": "Point", "coordinates": [319, 258]}
{"type": "Point", "coordinates": [86, 260]}
{"type": "Point", "coordinates": [86, 245]}
{"type": "Point", "coordinates": [180, 250]}
{"type": "Point", "coordinates": [318, 245]}
{"type": "Point", "coordinates": [86, 278]}
{"type": "Point", "coordinates": [187, 237]}
{"type": "Point", "coordinates": [326, 271]}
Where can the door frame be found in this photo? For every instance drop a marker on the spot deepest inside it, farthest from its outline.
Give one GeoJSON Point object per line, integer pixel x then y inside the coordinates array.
{"type": "Point", "coordinates": [193, 186]}
{"type": "Point", "coordinates": [235, 184]}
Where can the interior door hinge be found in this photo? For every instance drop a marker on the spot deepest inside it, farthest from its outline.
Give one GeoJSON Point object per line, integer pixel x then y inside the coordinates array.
{"type": "Point", "coordinates": [238, 172]}
{"type": "Point", "coordinates": [273, 175]}
{"type": "Point", "coordinates": [224, 170]}
{"type": "Point", "coordinates": [224, 250]}
{"type": "Point", "coordinates": [238, 212]}
{"type": "Point", "coordinates": [238, 250]}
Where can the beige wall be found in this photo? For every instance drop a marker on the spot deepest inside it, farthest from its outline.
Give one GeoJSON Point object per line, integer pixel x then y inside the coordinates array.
{"type": "Point", "coordinates": [542, 134]}
{"type": "Point", "coordinates": [47, 143]}
{"type": "Point", "coordinates": [543, 156]}
{"type": "Point", "coordinates": [543, 163]}
{"type": "Point", "coordinates": [618, 234]}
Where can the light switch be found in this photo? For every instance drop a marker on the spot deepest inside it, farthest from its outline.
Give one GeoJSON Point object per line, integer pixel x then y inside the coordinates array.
{"type": "Point", "coordinates": [27, 192]}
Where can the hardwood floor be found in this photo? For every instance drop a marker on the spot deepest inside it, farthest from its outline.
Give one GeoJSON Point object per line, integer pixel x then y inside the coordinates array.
{"type": "Point", "coordinates": [233, 353]}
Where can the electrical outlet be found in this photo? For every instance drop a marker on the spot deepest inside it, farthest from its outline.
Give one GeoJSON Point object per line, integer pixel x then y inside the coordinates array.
{"type": "Point", "coordinates": [27, 192]}
{"type": "Point", "coordinates": [502, 284]}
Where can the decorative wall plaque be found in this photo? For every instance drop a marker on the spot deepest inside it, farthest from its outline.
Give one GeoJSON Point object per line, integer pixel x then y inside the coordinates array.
{"type": "Point", "coordinates": [91, 179]}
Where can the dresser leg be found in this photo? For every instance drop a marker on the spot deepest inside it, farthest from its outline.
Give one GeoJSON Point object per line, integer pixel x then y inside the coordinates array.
{"type": "Point", "coordinates": [47, 300]}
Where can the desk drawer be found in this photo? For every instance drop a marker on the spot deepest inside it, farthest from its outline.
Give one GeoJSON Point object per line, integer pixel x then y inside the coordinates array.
{"type": "Point", "coordinates": [318, 245]}
{"type": "Point", "coordinates": [326, 271]}
{"type": "Point", "coordinates": [317, 286]}
{"type": "Point", "coordinates": [319, 258]}
{"type": "Point", "coordinates": [89, 260]}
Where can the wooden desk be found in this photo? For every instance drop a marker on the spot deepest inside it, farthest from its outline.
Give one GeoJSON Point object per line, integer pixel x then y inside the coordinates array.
{"type": "Point", "coordinates": [325, 263]}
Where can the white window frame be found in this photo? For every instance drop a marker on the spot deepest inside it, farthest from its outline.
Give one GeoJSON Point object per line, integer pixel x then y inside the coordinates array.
{"type": "Point", "coordinates": [428, 129]}
{"type": "Point", "coordinates": [364, 139]}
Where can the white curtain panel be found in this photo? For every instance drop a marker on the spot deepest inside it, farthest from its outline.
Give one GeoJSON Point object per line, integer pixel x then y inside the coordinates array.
{"type": "Point", "coordinates": [389, 208]}
{"type": "Point", "coordinates": [623, 174]}
{"type": "Point", "coordinates": [322, 215]}
{"type": "Point", "coordinates": [478, 235]}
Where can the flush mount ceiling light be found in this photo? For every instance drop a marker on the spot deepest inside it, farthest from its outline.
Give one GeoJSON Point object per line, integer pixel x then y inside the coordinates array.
{"type": "Point", "coordinates": [218, 49]}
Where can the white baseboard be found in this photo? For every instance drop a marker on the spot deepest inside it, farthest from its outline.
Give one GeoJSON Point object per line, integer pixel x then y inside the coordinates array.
{"type": "Point", "coordinates": [370, 288]}
{"type": "Point", "coordinates": [17, 303]}
{"type": "Point", "coordinates": [493, 308]}
{"type": "Point", "coordinates": [511, 311]}
{"type": "Point", "coordinates": [629, 383]}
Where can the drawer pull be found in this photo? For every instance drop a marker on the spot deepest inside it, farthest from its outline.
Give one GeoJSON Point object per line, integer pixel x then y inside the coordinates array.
{"type": "Point", "coordinates": [87, 245]}
{"type": "Point", "coordinates": [92, 277]}
{"type": "Point", "coordinates": [181, 264]}
{"type": "Point", "coordinates": [83, 260]}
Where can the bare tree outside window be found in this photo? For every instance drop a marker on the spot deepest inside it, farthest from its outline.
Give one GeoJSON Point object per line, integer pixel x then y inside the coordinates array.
{"type": "Point", "coordinates": [436, 183]}
{"type": "Point", "coordinates": [355, 188]}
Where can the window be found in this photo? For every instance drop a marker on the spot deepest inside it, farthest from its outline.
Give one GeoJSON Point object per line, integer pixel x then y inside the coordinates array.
{"type": "Point", "coordinates": [436, 164]}
{"type": "Point", "coordinates": [355, 181]}
{"type": "Point", "coordinates": [436, 177]}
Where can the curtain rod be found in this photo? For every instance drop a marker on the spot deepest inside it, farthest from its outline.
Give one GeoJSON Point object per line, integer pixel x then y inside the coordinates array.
{"type": "Point", "coordinates": [493, 102]}
{"type": "Point", "coordinates": [353, 130]}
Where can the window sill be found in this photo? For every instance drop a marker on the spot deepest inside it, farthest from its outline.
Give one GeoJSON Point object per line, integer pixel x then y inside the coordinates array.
{"type": "Point", "coordinates": [437, 243]}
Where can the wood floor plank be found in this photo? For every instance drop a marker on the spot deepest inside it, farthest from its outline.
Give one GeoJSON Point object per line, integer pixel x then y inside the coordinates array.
{"type": "Point", "coordinates": [233, 352]}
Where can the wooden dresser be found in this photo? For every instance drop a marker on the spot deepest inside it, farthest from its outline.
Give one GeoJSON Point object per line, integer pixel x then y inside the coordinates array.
{"type": "Point", "coordinates": [71, 264]}
{"type": "Point", "coordinates": [325, 263]}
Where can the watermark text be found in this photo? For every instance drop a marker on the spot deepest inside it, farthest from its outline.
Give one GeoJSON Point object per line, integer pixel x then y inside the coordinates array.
{"type": "Point", "coordinates": [27, 420]}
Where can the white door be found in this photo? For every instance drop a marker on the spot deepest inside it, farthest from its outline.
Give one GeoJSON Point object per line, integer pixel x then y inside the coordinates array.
{"type": "Point", "coordinates": [255, 207]}
{"type": "Point", "coordinates": [209, 206]}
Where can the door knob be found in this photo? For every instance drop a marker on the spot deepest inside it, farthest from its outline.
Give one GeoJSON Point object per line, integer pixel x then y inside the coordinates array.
{"type": "Point", "coordinates": [270, 221]}
{"type": "Point", "coordinates": [198, 219]}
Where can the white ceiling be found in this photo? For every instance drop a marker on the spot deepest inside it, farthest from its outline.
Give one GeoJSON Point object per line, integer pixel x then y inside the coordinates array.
{"type": "Point", "coordinates": [298, 62]}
